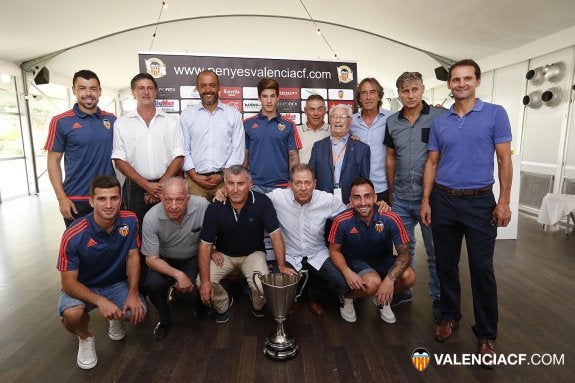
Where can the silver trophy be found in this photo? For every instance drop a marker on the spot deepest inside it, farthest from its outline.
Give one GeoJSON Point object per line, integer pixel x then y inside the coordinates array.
{"type": "Point", "coordinates": [279, 294]}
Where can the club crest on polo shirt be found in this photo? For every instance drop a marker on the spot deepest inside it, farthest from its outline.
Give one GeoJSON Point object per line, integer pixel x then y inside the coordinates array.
{"type": "Point", "coordinates": [124, 230]}
{"type": "Point", "coordinates": [379, 226]}
{"type": "Point", "coordinates": [353, 231]}
{"type": "Point", "coordinates": [281, 127]}
{"type": "Point", "coordinates": [107, 123]}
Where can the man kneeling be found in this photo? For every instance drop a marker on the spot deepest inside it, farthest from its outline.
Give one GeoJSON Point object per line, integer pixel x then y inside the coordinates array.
{"type": "Point", "coordinates": [358, 243]}
{"type": "Point", "coordinates": [96, 253]}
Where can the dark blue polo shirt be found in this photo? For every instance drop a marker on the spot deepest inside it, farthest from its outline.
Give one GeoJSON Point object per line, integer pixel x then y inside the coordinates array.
{"type": "Point", "coordinates": [240, 233]}
{"type": "Point", "coordinates": [367, 243]}
{"type": "Point", "coordinates": [86, 141]}
{"type": "Point", "coordinates": [99, 257]}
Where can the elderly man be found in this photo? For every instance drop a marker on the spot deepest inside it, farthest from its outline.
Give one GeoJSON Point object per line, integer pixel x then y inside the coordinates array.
{"type": "Point", "coordinates": [406, 138]}
{"type": "Point", "coordinates": [97, 252]}
{"type": "Point", "coordinates": [369, 126]}
{"type": "Point", "coordinates": [358, 246]}
{"type": "Point", "coordinates": [170, 238]}
{"type": "Point", "coordinates": [83, 136]}
{"type": "Point", "coordinates": [337, 160]}
{"type": "Point", "coordinates": [315, 127]}
{"type": "Point", "coordinates": [457, 189]}
{"type": "Point", "coordinates": [272, 143]}
{"type": "Point", "coordinates": [214, 138]}
{"type": "Point", "coordinates": [236, 229]}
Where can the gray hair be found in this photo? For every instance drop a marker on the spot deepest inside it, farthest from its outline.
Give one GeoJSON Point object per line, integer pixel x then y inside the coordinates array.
{"type": "Point", "coordinates": [178, 181]}
{"type": "Point", "coordinates": [345, 107]}
{"type": "Point", "coordinates": [237, 170]}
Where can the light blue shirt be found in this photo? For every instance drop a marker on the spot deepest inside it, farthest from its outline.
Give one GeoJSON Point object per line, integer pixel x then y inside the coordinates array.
{"type": "Point", "coordinates": [374, 136]}
{"type": "Point", "coordinates": [303, 226]}
{"type": "Point", "coordinates": [338, 148]}
{"type": "Point", "coordinates": [212, 141]}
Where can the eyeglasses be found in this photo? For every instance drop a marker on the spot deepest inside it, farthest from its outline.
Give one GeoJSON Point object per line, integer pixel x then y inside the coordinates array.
{"type": "Point", "coordinates": [338, 117]}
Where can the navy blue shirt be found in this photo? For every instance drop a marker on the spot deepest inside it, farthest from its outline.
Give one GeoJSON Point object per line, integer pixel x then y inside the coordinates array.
{"type": "Point", "coordinates": [240, 233]}
{"type": "Point", "coordinates": [99, 257]}
{"type": "Point", "coordinates": [367, 243]}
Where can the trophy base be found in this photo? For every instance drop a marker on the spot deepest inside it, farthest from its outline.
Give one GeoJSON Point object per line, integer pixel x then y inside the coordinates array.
{"type": "Point", "coordinates": [280, 347]}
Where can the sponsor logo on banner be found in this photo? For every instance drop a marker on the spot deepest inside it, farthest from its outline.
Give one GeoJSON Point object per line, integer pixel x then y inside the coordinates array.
{"type": "Point", "coordinates": [236, 104]}
{"type": "Point", "coordinates": [250, 92]}
{"type": "Point", "coordinates": [168, 105]}
{"type": "Point", "coordinates": [340, 94]}
{"type": "Point", "coordinates": [289, 93]}
{"type": "Point", "coordinates": [333, 103]}
{"type": "Point", "coordinates": [166, 92]}
{"type": "Point", "coordinates": [420, 358]}
{"type": "Point", "coordinates": [188, 91]}
{"type": "Point", "coordinates": [230, 92]}
{"type": "Point", "coordinates": [252, 105]}
{"type": "Point", "coordinates": [293, 117]}
{"type": "Point", "coordinates": [187, 103]}
{"type": "Point", "coordinates": [306, 92]}
{"type": "Point", "coordinates": [344, 74]}
{"type": "Point", "coordinates": [288, 106]}
{"type": "Point", "coordinates": [155, 67]}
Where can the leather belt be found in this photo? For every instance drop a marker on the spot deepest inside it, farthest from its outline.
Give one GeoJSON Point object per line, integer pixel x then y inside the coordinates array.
{"type": "Point", "coordinates": [209, 174]}
{"type": "Point", "coordinates": [464, 192]}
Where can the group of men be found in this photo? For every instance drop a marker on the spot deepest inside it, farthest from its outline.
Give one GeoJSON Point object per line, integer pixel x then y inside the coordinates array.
{"type": "Point", "coordinates": [361, 182]}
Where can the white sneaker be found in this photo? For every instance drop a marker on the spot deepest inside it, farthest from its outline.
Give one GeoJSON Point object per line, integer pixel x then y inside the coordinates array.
{"type": "Point", "coordinates": [347, 310]}
{"type": "Point", "coordinates": [386, 314]}
{"type": "Point", "coordinates": [116, 330]}
{"type": "Point", "coordinates": [87, 357]}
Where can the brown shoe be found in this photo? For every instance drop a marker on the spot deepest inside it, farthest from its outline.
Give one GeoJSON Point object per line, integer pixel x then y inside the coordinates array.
{"type": "Point", "coordinates": [444, 330]}
{"type": "Point", "coordinates": [316, 309]}
{"type": "Point", "coordinates": [487, 352]}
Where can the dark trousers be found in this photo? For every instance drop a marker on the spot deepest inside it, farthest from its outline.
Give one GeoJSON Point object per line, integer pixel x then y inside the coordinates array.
{"type": "Point", "coordinates": [157, 285]}
{"type": "Point", "coordinates": [325, 281]}
{"type": "Point", "coordinates": [452, 218]}
{"type": "Point", "coordinates": [133, 200]}
{"type": "Point", "coordinates": [83, 207]}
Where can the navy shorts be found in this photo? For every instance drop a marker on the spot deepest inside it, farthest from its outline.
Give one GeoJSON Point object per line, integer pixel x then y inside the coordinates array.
{"type": "Point", "coordinates": [362, 267]}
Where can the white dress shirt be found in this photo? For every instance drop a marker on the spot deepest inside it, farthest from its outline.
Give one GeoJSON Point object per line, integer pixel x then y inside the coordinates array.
{"type": "Point", "coordinates": [303, 226]}
{"type": "Point", "coordinates": [148, 149]}
{"type": "Point", "coordinates": [212, 141]}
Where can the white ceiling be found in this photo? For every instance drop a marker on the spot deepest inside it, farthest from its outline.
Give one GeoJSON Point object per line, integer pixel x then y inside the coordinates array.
{"type": "Point", "coordinates": [357, 31]}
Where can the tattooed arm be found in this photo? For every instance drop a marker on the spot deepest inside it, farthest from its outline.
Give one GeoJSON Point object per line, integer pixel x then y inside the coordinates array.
{"type": "Point", "coordinates": [293, 158]}
{"type": "Point", "coordinates": [385, 291]}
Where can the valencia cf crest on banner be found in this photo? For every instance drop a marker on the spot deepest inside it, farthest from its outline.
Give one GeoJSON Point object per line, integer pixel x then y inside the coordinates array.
{"type": "Point", "coordinates": [420, 358]}
{"type": "Point", "coordinates": [124, 230]}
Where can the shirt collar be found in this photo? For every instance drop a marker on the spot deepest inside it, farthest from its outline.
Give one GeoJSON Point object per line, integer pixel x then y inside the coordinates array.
{"type": "Point", "coordinates": [262, 116]}
{"type": "Point", "coordinates": [342, 140]}
{"type": "Point", "coordinates": [477, 107]}
{"type": "Point", "coordinates": [219, 106]}
{"type": "Point", "coordinates": [305, 128]}
{"type": "Point", "coordinates": [82, 114]}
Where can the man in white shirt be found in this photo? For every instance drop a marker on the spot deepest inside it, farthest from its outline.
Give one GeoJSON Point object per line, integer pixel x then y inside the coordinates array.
{"type": "Point", "coordinates": [214, 138]}
{"type": "Point", "coordinates": [315, 127]}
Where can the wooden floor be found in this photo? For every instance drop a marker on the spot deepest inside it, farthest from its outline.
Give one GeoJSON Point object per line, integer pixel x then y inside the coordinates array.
{"type": "Point", "coordinates": [535, 275]}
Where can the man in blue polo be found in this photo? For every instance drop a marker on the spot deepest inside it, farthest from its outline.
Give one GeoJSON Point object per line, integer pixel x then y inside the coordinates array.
{"type": "Point", "coordinates": [457, 189]}
{"type": "Point", "coordinates": [97, 252]}
{"type": "Point", "coordinates": [272, 143]}
{"type": "Point", "coordinates": [83, 136]}
{"type": "Point", "coordinates": [406, 137]}
{"type": "Point", "coordinates": [358, 246]}
{"type": "Point", "coordinates": [236, 229]}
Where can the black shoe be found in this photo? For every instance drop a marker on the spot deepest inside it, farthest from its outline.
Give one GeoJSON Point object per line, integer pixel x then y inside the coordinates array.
{"type": "Point", "coordinates": [161, 331]}
{"type": "Point", "coordinates": [225, 316]}
{"type": "Point", "coordinates": [436, 309]}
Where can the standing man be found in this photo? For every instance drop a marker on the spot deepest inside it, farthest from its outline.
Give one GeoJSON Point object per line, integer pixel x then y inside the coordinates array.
{"type": "Point", "coordinates": [148, 148]}
{"type": "Point", "coordinates": [214, 138]}
{"type": "Point", "coordinates": [96, 254]}
{"type": "Point", "coordinates": [359, 247]}
{"type": "Point", "coordinates": [457, 189]}
{"type": "Point", "coordinates": [170, 238]}
{"type": "Point", "coordinates": [236, 229]}
{"type": "Point", "coordinates": [369, 126]}
{"type": "Point", "coordinates": [337, 160]}
{"type": "Point", "coordinates": [315, 127]}
{"type": "Point", "coordinates": [272, 143]}
{"type": "Point", "coordinates": [406, 139]}
{"type": "Point", "coordinates": [83, 136]}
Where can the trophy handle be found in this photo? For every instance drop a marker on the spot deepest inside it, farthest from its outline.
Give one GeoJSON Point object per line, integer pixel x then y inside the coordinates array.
{"type": "Point", "coordinates": [305, 273]}
{"type": "Point", "coordinates": [256, 285]}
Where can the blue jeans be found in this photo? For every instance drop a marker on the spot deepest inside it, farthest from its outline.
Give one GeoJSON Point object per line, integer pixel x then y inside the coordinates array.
{"type": "Point", "coordinates": [263, 189]}
{"type": "Point", "coordinates": [409, 214]}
